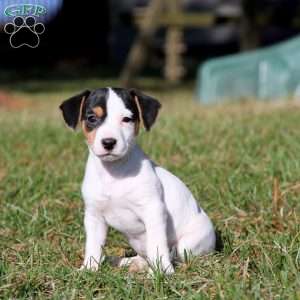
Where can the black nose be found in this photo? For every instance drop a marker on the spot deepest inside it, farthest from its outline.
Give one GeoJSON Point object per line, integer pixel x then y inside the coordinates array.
{"type": "Point", "coordinates": [109, 143]}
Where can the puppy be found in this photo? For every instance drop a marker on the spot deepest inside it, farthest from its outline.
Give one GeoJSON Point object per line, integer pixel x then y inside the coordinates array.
{"type": "Point", "coordinates": [124, 189]}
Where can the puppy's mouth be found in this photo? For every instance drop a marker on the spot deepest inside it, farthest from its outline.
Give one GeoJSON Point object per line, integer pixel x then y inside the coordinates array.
{"type": "Point", "coordinates": [108, 156]}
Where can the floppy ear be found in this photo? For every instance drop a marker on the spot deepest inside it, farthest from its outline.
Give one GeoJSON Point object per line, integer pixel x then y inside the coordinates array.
{"type": "Point", "coordinates": [148, 107]}
{"type": "Point", "coordinates": [72, 108]}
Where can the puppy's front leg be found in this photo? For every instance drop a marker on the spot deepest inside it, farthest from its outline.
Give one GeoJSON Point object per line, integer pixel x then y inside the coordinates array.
{"type": "Point", "coordinates": [155, 219]}
{"type": "Point", "coordinates": [96, 231]}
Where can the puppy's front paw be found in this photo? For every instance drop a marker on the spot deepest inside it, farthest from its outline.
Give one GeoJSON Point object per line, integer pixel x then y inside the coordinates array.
{"type": "Point", "coordinates": [169, 270]}
{"type": "Point", "coordinates": [90, 264]}
{"type": "Point", "coordinates": [135, 264]}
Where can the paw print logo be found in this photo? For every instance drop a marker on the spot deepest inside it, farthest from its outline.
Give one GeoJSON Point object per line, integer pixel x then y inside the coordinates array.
{"type": "Point", "coordinates": [24, 32]}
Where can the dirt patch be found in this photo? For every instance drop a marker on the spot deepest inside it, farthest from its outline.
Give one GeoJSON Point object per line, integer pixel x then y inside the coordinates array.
{"type": "Point", "coordinates": [8, 101]}
{"type": "Point", "coordinates": [3, 173]}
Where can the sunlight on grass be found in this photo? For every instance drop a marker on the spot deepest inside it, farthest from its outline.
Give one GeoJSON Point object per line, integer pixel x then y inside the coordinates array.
{"type": "Point", "coordinates": [242, 161]}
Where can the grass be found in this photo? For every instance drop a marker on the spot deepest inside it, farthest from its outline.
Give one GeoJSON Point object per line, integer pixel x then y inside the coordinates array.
{"type": "Point", "coordinates": [242, 161]}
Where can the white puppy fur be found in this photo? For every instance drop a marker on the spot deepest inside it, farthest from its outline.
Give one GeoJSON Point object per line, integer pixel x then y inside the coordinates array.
{"type": "Point", "coordinates": [124, 189]}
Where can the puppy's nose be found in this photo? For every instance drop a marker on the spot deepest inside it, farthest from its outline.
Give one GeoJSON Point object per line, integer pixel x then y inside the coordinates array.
{"type": "Point", "coordinates": [108, 143]}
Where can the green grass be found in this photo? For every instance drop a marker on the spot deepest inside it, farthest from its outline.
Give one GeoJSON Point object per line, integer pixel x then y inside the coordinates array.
{"type": "Point", "coordinates": [230, 156]}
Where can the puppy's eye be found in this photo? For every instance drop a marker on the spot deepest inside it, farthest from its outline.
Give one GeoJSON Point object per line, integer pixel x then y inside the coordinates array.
{"type": "Point", "coordinates": [127, 120]}
{"type": "Point", "coordinates": [92, 119]}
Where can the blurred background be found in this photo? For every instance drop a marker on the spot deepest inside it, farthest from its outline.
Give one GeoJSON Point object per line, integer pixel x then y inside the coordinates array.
{"type": "Point", "coordinates": [130, 38]}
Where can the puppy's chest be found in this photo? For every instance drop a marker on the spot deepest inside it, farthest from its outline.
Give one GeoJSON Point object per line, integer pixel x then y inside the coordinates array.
{"type": "Point", "coordinates": [116, 204]}
{"type": "Point", "coordinates": [124, 219]}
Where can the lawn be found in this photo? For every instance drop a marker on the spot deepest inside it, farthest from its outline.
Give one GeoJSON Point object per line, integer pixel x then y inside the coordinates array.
{"type": "Point", "coordinates": [242, 161]}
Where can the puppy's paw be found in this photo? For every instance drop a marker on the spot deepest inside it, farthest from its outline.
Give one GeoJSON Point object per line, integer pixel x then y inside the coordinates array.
{"type": "Point", "coordinates": [90, 264]}
{"type": "Point", "coordinates": [169, 270]}
{"type": "Point", "coordinates": [138, 265]}
{"type": "Point", "coordinates": [135, 264]}
{"type": "Point", "coordinates": [89, 267]}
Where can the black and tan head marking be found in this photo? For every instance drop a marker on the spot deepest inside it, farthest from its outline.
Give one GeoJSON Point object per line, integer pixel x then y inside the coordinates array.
{"type": "Point", "coordinates": [144, 108]}
{"type": "Point", "coordinates": [90, 109]}
{"type": "Point", "coordinates": [87, 108]}
{"type": "Point", "coordinates": [72, 108]}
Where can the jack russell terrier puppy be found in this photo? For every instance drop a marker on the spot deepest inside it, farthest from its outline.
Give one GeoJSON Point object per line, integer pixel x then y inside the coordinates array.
{"type": "Point", "coordinates": [124, 189]}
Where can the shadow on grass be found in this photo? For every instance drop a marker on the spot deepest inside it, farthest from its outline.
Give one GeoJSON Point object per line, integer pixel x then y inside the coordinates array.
{"type": "Point", "coordinates": [219, 241]}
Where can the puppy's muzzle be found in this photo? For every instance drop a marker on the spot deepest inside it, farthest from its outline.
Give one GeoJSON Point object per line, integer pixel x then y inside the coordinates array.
{"type": "Point", "coordinates": [108, 143]}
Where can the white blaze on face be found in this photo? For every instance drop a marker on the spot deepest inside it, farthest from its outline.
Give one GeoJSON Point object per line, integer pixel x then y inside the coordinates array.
{"type": "Point", "coordinates": [114, 127]}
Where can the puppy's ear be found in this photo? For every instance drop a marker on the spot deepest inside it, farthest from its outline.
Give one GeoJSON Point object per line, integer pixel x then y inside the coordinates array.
{"type": "Point", "coordinates": [72, 108]}
{"type": "Point", "coordinates": [148, 107]}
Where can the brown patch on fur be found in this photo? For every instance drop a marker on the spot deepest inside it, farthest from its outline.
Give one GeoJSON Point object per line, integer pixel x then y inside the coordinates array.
{"type": "Point", "coordinates": [90, 135]}
{"type": "Point", "coordinates": [136, 127]}
{"type": "Point", "coordinates": [81, 107]}
{"type": "Point", "coordinates": [139, 110]}
{"type": "Point", "coordinates": [98, 111]}
{"type": "Point", "coordinates": [138, 122]}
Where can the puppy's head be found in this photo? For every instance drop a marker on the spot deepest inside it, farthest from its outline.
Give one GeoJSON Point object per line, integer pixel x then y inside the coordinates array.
{"type": "Point", "coordinates": [110, 118]}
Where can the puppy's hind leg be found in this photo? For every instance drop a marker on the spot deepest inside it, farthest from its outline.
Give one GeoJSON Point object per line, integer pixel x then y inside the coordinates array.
{"type": "Point", "coordinates": [134, 264]}
{"type": "Point", "coordinates": [198, 237]}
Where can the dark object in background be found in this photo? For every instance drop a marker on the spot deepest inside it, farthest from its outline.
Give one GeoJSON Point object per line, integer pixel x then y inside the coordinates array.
{"type": "Point", "coordinates": [93, 33]}
{"type": "Point", "coordinates": [270, 21]}
{"type": "Point", "coordinates": [78, 35]}
{"type": "Point", "coordinates": [280, 16]}
{"type": "Point", "coordinates": [200, 42]}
